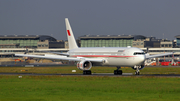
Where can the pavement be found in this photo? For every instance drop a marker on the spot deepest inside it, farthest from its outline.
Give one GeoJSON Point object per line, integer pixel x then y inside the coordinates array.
{"type": "Point", "coordinates": [96, 74]}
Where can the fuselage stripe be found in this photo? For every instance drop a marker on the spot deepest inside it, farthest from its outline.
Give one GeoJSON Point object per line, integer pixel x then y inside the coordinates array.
{"type": "Point", "coordinates": [100, 56]}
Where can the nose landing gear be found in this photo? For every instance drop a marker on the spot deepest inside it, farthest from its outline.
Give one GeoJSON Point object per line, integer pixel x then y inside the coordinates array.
{"type": "Point", "coordinates": [137, 72]}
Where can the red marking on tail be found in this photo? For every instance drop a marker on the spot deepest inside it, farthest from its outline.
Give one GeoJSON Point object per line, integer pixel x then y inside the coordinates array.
{"type": "Point", "coordinates": [68, 32]}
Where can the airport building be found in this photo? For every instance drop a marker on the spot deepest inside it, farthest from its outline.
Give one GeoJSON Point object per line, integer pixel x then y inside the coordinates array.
{"type": "Point", "coordinates": [178, 41]}
{"type": "Point", "coordinates": [10, 44]}
{"type": "Point", "coordinates": [30, 41]}
{"type": "Point", "coordinates": [124, 41]}
{"type": "Point", "coordinates": [152, 42]}
{"type": "Point", "coordinates": [109, 40]}
{"type": "Point", "coordinates": [36, 44]}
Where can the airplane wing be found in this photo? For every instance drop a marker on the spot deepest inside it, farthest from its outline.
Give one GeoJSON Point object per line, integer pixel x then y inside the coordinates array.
{"type": "Point", "coordinates": [65, 54]}
{"type": "Point", "coordinates": [61, 57]}
{"type": "Point", "coordinates": [158, 55]}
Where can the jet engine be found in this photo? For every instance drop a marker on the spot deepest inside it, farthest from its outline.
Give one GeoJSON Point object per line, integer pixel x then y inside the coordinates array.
{"type": "Point", "coordinates": [140, 67]}
{"type": "Point", "coordinates": [84, 65]}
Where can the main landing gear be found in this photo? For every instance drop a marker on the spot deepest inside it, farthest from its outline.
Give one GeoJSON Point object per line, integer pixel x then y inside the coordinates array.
{"type": "Point", "coordinates": [86, 72]}
{"type": "Point", "coordinates": [118, 72]}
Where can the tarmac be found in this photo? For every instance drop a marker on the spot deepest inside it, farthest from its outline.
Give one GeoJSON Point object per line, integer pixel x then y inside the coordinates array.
{"type": "Point", "coordinates": [95, 74]}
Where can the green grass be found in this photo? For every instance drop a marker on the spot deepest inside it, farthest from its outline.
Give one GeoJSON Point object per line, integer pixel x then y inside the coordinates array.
{"type": "Point", "coordinates": [68, 69]}
{"type": "Point", "coordinates": [88, 88]}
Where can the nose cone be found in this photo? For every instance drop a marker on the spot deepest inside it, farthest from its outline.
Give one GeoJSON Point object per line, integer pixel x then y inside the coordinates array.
{"type": "Point", "coordinates": [139, 60]}
{"type": "Point", "coordinates": [142, 59]}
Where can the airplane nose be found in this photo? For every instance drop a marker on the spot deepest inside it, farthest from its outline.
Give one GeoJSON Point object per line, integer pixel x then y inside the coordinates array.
{"type": "Point", "coordinates": [141, 59]}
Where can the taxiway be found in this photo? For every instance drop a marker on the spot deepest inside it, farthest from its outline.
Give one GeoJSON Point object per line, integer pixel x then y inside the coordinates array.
{"type": "Point", "coordinates": [95, 74]}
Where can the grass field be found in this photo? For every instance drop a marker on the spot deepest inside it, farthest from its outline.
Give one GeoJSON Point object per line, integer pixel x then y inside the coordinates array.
{"type": "Point", "coordinates": [88, 88]}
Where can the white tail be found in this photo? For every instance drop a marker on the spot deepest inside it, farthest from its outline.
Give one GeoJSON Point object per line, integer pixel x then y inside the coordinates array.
{"type": "Point", "coordinates": [70, 36]}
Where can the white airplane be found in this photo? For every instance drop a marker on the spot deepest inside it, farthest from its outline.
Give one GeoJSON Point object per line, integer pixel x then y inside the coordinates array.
{"type": "Point", "coordinates": [101, 56]}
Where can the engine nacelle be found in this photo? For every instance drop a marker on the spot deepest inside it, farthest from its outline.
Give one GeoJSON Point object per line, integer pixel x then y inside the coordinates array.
{"type": "Point", "coordinates": [140, 67]}
{"type": "Point", "coordinates": [84, 65]}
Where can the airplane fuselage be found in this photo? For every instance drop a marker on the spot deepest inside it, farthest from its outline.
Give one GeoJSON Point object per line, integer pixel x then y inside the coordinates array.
{"type": "Point", "coordinates": [113, 56]}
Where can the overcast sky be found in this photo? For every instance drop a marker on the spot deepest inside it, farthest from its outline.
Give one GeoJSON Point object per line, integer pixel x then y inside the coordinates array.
{"type": "Point", "coordinates": [93, 17]}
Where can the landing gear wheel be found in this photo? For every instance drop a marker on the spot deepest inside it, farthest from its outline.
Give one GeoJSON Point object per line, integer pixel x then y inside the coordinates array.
{"type": "Point", "coordinates": [87, 72]}
{"type": "Point", "coordinates": [137, 73]}
{"type": "Point", "coordinates": [117, 72]}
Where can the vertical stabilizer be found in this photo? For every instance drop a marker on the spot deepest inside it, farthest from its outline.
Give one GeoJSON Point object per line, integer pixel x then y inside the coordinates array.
{"type": "Point", "coordinates": [70, 36]}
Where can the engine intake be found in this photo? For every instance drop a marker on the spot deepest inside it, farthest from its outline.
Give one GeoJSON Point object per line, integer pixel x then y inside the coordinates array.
{"type": "Point", "coordinates": [84, 65]}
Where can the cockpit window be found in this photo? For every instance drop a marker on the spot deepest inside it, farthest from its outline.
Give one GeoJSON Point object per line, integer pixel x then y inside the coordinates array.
{"type": "Point", "coordinates": [139, 53]}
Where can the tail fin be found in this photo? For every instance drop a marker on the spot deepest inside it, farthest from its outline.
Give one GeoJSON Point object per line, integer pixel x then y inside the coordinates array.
{"type": "Point", "coordinates": [70, 35]}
